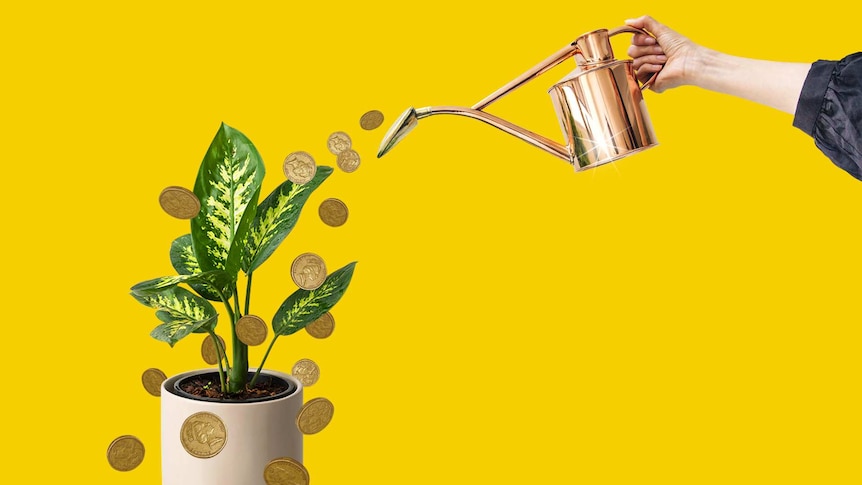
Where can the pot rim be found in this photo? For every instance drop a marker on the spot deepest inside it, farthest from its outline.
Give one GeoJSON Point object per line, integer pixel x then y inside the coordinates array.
{"type": "Point", "coordinates": [168, 388]}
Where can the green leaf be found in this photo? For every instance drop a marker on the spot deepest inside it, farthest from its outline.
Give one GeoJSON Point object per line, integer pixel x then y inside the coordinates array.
{"type": "Point", "coordinates": [228, 186]}
{"type": "Point", "coordinates": [215, 281]}
{"type": "Point", "coordinates": [181, 311]}
{"type": "Point", "coordinates": [306, 306]}
{"type": "Point", "coordinates": [275, 218]}
{"type": "Point", "coordinates": [184, 260]}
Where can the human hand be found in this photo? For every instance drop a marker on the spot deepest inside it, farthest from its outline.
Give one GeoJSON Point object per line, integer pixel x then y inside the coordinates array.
{"type": "Point", "coordinates": [668, 53]}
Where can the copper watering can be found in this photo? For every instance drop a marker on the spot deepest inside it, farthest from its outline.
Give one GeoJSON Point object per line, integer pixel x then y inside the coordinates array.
{"type": "Point", "coordinates": [600, 106]}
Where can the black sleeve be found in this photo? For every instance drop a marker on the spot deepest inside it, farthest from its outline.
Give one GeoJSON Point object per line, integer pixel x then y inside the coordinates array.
{"type": "Point", "coordinates": [830, 110]}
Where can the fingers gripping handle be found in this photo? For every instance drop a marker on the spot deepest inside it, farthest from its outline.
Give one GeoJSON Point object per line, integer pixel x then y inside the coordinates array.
{"type": "Point", "coordinates": [627, 29]}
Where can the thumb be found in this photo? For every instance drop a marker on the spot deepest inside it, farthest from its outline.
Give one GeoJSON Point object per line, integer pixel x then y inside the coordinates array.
{"type": "Point", "coordinates": [649, 24]}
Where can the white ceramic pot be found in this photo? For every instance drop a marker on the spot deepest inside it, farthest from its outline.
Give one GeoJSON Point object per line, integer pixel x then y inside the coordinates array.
{"type": "Point", "coordinates": [219, 443]}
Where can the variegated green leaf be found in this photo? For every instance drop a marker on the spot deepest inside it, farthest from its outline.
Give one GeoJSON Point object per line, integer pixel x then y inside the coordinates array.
{"type": "Point", "coordinates": [306, 306]}
{"type": "Point", "coordinates": [184, 260]}
{"type": "Point", "coordinates": [275, 218]}
{"type": "Point", "coordinates": [228, 186]}
{"type": "Point", "coordinates": [216, 281]}
{"type": "Point", "coordinates": [181, 311]}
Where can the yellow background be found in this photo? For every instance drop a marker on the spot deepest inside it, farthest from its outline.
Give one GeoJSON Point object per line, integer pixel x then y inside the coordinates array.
{"type": "Point", "coordinates": [685, 315]}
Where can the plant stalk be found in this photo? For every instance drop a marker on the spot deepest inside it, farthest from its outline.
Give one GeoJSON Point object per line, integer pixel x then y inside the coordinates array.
{"type": "Point", "coordinates": [248, 293]}
{"type": "Point", "coordinates": [238, 375]}
{"type": "Point", "coordinates": [257, 372]}
{"type": "Point", "coordinates": [220, 353]}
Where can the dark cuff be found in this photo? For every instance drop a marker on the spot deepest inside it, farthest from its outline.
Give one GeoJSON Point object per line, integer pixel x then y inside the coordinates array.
{"type": "Point", "coordinates": [811, 97]}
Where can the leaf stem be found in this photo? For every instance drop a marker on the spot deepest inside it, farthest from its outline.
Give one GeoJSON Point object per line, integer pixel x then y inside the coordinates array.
{"type": "Point", "coordinates": [236, 302]}
{"type": "Point", "coordinates": [220, 354]}
{"type": "Point", "coordinates": [257, 372]}
{"type": "Point", "coordinates": [248, 292]}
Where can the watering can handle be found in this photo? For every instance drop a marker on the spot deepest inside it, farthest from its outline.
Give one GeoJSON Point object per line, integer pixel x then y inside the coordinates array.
{"type": "Point", "coordinates": [627, 29]}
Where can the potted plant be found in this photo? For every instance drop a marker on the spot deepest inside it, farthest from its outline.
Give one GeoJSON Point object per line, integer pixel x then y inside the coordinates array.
{"type": "Point", "coordinates": [226, 425]}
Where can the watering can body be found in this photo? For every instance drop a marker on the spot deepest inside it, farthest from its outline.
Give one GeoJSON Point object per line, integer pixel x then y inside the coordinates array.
{"type": "Point", "coordinates": [600, 106]}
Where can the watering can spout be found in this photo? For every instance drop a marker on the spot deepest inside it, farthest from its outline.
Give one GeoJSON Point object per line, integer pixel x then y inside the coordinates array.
{"type": "Point", "coordinates": [599, 106]}
{"type": "Point", "coordinates": [410, 118]}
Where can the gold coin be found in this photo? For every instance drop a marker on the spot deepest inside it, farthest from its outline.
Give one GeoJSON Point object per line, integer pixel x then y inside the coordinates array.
{"type": "Point", "coordinates": [322, 327]}
{"type": "Point", "coordinates": [203, 435]}
{"type": "Point", "coordinates": [371, 120]}
{"type": "Point", "coordinates": [308, 271]}
{"type": "Point", "coordinates": [153, 379]}
{"type": "Point", "coordinates": [125, 453]}
{"type": "Point", "coordinates": [180, 202]}
{"type": "Point", "coordinates": [251, 330]}
{"type": "Point", "coordinates": [209, 352]}
{"type": "Point", "coordinates": [348, 160]}
{"type": "Point", "coordinates": [299, 167]}
{"type": "Point", "coordinates": [285, 471]}
{"type": "Point", "coordinates": [314, 415]}
{"type": "Point", "coordinates": [306, 371]}
{"type": "Point", "coordinates": [338, 142]}
{"type": "Point", "coordinates": [333, 212]}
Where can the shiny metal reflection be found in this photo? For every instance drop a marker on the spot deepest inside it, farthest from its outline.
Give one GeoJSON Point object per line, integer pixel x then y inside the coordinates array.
{"type": "Point", "coordinates": [599, 105]}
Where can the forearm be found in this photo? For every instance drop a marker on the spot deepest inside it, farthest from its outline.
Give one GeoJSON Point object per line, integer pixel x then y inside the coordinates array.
{"type": "Point", "coordinates": [774, 84]}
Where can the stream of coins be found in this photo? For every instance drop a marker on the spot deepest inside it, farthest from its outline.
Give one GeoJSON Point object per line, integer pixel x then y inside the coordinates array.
{"type": "Point", "coordinates": [179, 202]}
{"type": "Point", "coordinates": [306, 371]}
{"type": "Point", "coordinates": [308, 271]}
{"type": "Point", "coordinates": [125, 453]}
{"type": "Point", "coordinates": [251, 330]}
{"type": "Point", "coordinates": [333, 212]}
{"type": "Point", "coordinates": [208, 350]}
{"type": "Point", "coordinates": [285, 471]}
{"type": "Point", "coordinates": [152, 380]}
{"type": "Point", "coordinates": [322, 327]}
{"type": "Point", "coordinates": [314, 415]}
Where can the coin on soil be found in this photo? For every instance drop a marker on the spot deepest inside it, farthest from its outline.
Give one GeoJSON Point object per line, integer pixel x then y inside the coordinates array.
{"type": "Point", "coordinates": [315, 415]}
{"type": "Point", "coordinates": [152, 380]}
{"type": "Point", "coordinates": [308, 271]}
{"type": "Point", "coordinates": [209, 352]}
{"type": "Point", "coordinates": [338, 142]}
{"type": "Point", "coordinates": [125, 453]}
{"type": "Point", "coordinates": [299, 167]}
{"type": "Point", "coordinates": [322, 327]}
{"type": "Point", "coordinates": [251, 330]}
{"type": "Point", "coordinates": [348, 160]}
{"type": "Point", "coordinates": [371, 120]}
{"type": "Point", "coordinates": [333, 212]}
{"type": "Point", "coordinates": [285, 471]}
{"type": "Point", "coordinates": [179, 202]}
{"type": "Point", "coordinates": [203, 435]}
{"type": "Point", "coordinates": [307, 371]}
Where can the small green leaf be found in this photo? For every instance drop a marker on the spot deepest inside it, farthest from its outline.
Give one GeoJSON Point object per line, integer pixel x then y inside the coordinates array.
{"type": "Point", "coordinates": [215, 282]}
{"type": "Point", "coordinates": [228, 185]}
{"type": "Point", "coordinates": [184, 260]}
{"type": "Point", "coordinates": [275, 218]}
{"type": "Point", "coordinates": [306, 306]}
{"type": "Point", "coordinates": [181, 311]}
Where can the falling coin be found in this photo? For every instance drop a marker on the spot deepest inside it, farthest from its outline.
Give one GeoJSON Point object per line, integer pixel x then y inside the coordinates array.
{"type": "Point", "coordinates": [203, 435]}
{"type": "Point", "coordinates": [333, 212]}
{"type": "Point", "coordinates": [371, 120]}
{"type": "Point", "coordinates": [348, 160]}
{"type": "Point", "coordinates": [209, 352]}
{"type": "Point", "coordinates": [315, 415]}
{"type": "Point", "coordinates": [322, 327]}
{"type": "Point", "coordinates": [179, 202]}
{"type": "Point", "coordinates": [285, 471]}
{"type": "Point", "coordinates": [338, 142]}
{"type": "Point", "coordinates": [308, 271]}
{"type": "Point", "coordinates": [306, 371]}
{"type": "Point", "coordinates": [153, 379]}
{"type": "Point", "coordinates": [125, 453]}
{"type": "Point", "coordinates": [251, 330]}
{"type": "Point", "coordinates": [299, 167]}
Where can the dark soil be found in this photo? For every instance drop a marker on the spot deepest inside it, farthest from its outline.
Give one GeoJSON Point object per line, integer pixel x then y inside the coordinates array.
{"type": "Point", "coordinates": [199, 386]}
